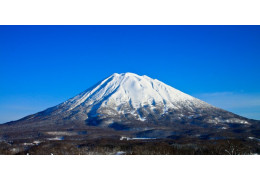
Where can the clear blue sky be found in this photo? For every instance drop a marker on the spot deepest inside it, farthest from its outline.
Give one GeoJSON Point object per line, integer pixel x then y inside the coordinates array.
{"type": "Point", "coordinates": [42, 66]}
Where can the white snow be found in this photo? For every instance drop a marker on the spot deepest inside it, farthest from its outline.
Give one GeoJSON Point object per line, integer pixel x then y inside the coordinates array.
{"type": "Point", "coordinates": [28, 144]}
{"type": "Point", "coordinates": [120, 153]}
{"type": "Point", "coordinates": [36, 142]}
{"type": "Point", "coordinates": [61, 133]}
{"type": "Point", "coordinates": [231, 120]}
{"type": "Point", "coordinates": [253, 138]}
{"type": "Point", "coordinates": [133, 91]}
{"type": "Point", "coordinates": [129, 138]}
{"type": "Point", "coordinates": [59, 138]}
{"type": "Point", "coordinates": [238, 121]}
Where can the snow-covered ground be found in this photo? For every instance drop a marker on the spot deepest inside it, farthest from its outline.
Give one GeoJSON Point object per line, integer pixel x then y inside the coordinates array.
{"type": "Point", "coordinates": [120, 153]}
{"type": "Point", "coordinates": [253, 138]}
{"type": "Point", "coordinates": [141, 138]}
{"type": "Point", "coordinates": [61, 133]}
{"type": "Point", "coordinates": [58, 138]}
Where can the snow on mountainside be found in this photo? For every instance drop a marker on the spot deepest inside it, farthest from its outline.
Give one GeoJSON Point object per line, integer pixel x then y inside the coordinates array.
{"type": "Point", "coordinates": [134, 91]}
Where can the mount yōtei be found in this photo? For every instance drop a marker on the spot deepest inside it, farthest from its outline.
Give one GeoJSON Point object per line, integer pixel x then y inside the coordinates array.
{"type": "Point", "coordinates": [133, 105]}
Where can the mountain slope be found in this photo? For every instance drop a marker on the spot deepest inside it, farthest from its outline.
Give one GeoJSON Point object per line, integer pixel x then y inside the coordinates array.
{"type": "Point", "coordinates": [129, 103]}
{"type": "Point", "coordinates": [122, 94]}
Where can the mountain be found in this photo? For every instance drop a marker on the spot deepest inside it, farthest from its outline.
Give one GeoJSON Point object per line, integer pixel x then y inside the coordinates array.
{"type": "Point", "coordinates": [131, 105]}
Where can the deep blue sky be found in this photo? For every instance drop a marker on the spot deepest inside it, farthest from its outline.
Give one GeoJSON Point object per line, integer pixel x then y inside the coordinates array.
{"type": "Point", "coordinates": [41, 66]}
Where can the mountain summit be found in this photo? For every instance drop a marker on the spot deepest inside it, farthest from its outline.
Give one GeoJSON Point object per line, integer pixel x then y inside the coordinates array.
{"type": "Point", "coordinates": [138, 106]}
{"type": "Point", "coordinates": [127, 93]}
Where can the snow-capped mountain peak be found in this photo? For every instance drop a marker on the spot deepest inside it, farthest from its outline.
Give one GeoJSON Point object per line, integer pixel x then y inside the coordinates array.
{"type": "Point", "coordinates": [128, 92]}
{"type": "Point", "coordinates": [136, 103]}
